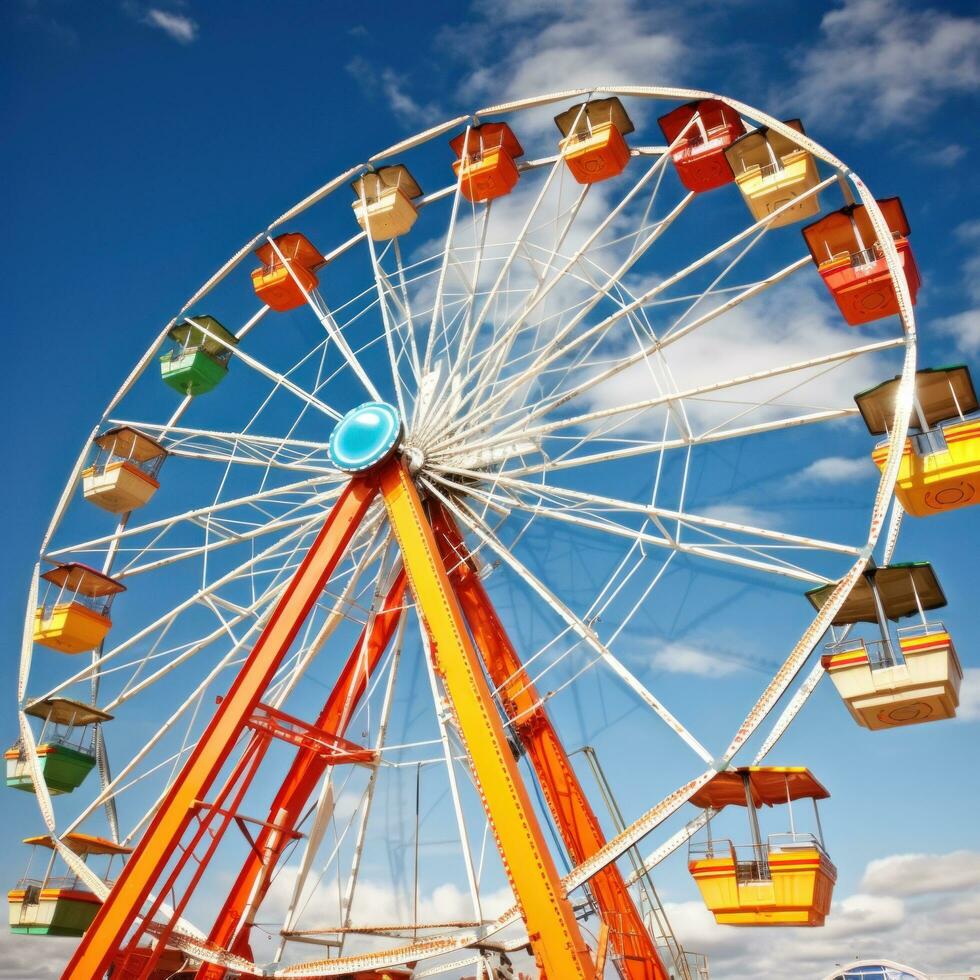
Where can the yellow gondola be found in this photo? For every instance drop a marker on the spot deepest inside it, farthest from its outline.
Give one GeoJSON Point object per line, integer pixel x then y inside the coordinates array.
{"type": "Point", "coordinates": [124, 473]}
{"type": "Point", "coordinates": [73, 617]}
{"type": "Point", "coordinates": [786, 881]}
{"type": "Point", "coordinates": [593, 142]}
{"type": "Point", "coordinates": [940, 468]}
{"type": "Point", "coordinates": [771, 170]}
{"type": "Point", "coordinates": [385, 205]}
{"type": "Point", "coordinates": [887, 684]}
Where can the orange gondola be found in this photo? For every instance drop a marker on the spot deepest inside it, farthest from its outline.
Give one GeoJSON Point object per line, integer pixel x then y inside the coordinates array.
{"type": "Point", "coordinates": [485, 162]}
{"type": "Point", "coordinates": [850, 260]}
{"type": "Point", "coordinates": [706, 129]}
{"type": "Point", "coordinates": [593, 142]}
{"type": "Point", "coordinates": [288, 271]}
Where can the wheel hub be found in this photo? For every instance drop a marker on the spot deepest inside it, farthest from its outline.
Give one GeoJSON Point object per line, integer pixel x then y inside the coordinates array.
{"type": "Point", "coordinates": [365, 436]}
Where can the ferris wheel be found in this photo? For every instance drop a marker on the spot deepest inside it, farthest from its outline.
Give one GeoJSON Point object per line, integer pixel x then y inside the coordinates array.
{"type": "Point", "coordinates": [341, 636]}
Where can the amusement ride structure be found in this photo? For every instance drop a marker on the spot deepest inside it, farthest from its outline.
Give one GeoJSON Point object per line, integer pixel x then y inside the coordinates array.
{"type": "Point", "coordinates": [343, 597]}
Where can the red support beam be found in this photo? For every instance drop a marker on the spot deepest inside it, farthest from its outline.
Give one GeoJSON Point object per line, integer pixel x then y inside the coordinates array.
{"type": "Point", "coordinates": [233, 923]}
{"type": "Point", "coordinates": [335, 749]}
{"type": "Point", "coordinates": [576, 820]}
{"type": "Point", "coordinates": [103, 939]}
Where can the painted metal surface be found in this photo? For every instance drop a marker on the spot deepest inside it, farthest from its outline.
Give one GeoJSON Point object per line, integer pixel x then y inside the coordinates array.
{"type": "Point", "coordinates": [365, 436]}
{"type": "Point", "coordinates": [233, 924]}
{"type": "Point", "coordinates": [102, 941]}
{"type": "Point", "coordinates": [554, 933]}
{"type": "Point", "coordinates": [570, 807]}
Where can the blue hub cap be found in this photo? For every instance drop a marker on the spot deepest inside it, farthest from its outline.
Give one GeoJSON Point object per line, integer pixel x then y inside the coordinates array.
{"type": "Point", "coordinates": [365, 436]}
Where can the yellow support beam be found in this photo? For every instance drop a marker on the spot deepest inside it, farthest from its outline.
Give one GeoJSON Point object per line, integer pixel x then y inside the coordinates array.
{"type": "Point", "coordinates": [552, 929]}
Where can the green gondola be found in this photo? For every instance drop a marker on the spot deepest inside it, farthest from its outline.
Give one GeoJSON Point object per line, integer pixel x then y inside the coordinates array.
{"type": "Point", "coordinates": [199, 361]}
{"type": "Point", "coordinates": [64, 756]}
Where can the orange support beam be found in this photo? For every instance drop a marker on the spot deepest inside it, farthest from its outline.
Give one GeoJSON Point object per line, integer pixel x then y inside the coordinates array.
{"type": "Point", "coordinates": [102, 940]}
{"type": "Point", "coordinates": [576, 820]}
{"type": "Point", "coordinates": [602, 949]}
{"type": "Point", "coordinates": [233, 923]}
{"type": "Point", "coordinates": [554, 934]}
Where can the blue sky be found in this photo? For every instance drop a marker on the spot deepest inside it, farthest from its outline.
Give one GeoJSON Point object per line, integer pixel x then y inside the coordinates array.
{"type": "Point", "coordinates": [146, 142]}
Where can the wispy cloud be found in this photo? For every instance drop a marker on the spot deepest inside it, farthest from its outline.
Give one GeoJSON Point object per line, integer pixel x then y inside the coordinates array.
{"type": "Point", "coordinates": [169, 18]}
{"type": "Point", "coordinates": [944, 156]}
{"type": "Point", "coordinates": [738, 513]}
{"type": "Point", "coordinates": [835, 469]}
{"type": "Point", "coordinates": [549, 46]}
{"type": "Point", "coordinates": [39, 17]}
{"type": "Point", "coordinates": [969, 709]}
{"type": "Point", "coordinates": [543, 46]}
{"type": "Point", "coordinates": [395, 90]}
{"type": "Point", "coordinates": [963, 328]}
{"type": "Point", "coordinates": [968, 231]}
{"type": "Point", "coordinates": [180, 27]}
{"type": "Point", "coordinates": [931, 926]}
{"type": "Point", "coordinates": [402, 103]}
{"type": "Point", "coordinates": [881, 62]}
{"type": "Point", "coordinates": [677, 658]}
{"type": "Point", "coordinates": [24, 958]}
{"type": "Point", "coordinates": [902, 875]}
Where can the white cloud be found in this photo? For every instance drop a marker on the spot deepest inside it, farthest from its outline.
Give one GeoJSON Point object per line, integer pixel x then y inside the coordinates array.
{"type": "Point", "coordinates": [37, 16]}
{"type": "Point", "coordinates": [971, 275]}
{"type": "Point", "coordinates": [375, 901]}
{"type": "Point", "coordinates": [741, 514]}
{"type": "Point", "coordinates": [676, 658]}
{"type": "Point", "coordinates": [542, 46]}
{"type": "Point", "coordinates": [922, 874]}
{"type": "Point", "coordinates": [575, 45]}
{"type": "Point", "coordinates": [33, 957]}
{"type": "Point", "coordinates": [969, 709]}
{"type": "Point", "coordinates": [836, 469]}
{"type": "Point", "coordinates": [933, 931]}
{"type": "Point", "coordinates": [790, 323]}
{"type": "Point", "coordinates": [394, 88]}
{"type": "Point", "coordinates": [962, 328]}
{"type": "Point", "coordinates": [945, 156]}
{"type": "Point", "coordinates": [400, 101]}
{"type": "Point", "coordinates": [881, 62]}
{"type": "Point", "coordinates": [968, 231]}
{"type": "Point", "coordinates": [177, 26]}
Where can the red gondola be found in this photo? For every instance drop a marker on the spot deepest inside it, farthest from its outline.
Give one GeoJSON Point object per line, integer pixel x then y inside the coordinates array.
{"type": "Point", "coordinates": [709, 127]}
{"type": "Point", "coordinates": [849, 258]}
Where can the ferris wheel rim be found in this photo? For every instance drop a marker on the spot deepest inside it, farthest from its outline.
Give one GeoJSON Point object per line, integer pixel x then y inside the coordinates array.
{"type": "Point", "coordinates": [883, 497]}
